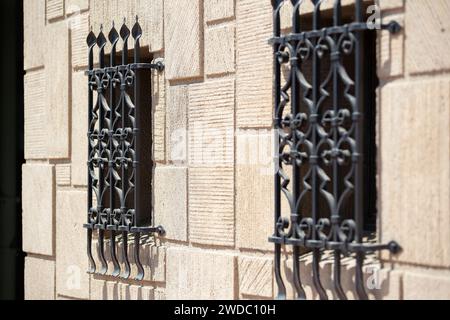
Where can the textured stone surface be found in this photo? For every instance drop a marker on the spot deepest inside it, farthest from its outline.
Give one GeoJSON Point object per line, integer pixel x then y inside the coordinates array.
{"type": "Point", "coordinates": [39, 279]}
{"type": "Point", "coordinates": [415, 132]}
{"type": "Point", "coordinates": [170, 190]}
{"type": "Point", "coordinates": [71, 261]}
{"type": "Point", "coordinates": [182, 36]}
{"type": "Point", "coordinates": [79, 29]}
{"type": "Point", "coordinates": [256, 277]}
{"type": "Point", "coordinates": [218, 10]}
{"type": "Point", "coordinates": [34, 33]}
{"type": "Point", "coordinates": [391, 51]}
{"type": "Point", "coordinates": [199, 275]}
{"type": "Point", "coordinates": [254, 63]}
{"type": "Point", "coordinates": [38, 188]}
{"type": "Point", "coordinates": [211, 123]}
{"type": "Point", "coordinates": [428, 23]}
{"type": "Point", "coordinates": [211, 206]}
{"type": "Point", "coordinates": [254, 207]}
{"type": "Point", "coordinates": [423, 286]}
{"type": "Point", "coordinates": [159, 115]}
{"type": "Point", "coordinates": [219, 50]}
{"type": "Point", "coordinates": [176, 131]}
{"type": "Point", "coordinates": [79, 129]}
{"type": "Point", "coordinates": [55, 9]}
{"type": "Point", "coordinates": [63, 174]}
{"type": "Point", "coordinates": [35, 115]}
{"type": "Point", "coordinates": [133, 292]}
{"type": "Point", "coordinates": [150, 14]}
{"type": "Point", "coordinates": [76, 6]}
{"type": "Point", "coordinates": [390, 4]}
{"type": "Point", "coordinates": [105, 290]}
{"type": "Point", "coordinates": [57, 90]}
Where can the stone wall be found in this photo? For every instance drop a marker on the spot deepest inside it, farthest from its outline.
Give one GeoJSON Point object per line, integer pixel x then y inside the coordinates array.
{"type": "Point", "coordinates": [213, 150]}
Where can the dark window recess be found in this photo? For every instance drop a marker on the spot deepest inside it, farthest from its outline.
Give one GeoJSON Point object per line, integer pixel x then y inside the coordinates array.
{"type": "Point", "coordinates": [324, 121]}
{"type": "Point", "coordinates": [120, 149]}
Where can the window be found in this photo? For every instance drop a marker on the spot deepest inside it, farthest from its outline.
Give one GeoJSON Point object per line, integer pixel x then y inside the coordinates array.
{"type": "Point", "coordinates": [324, 119]}
{"type": "Point", "coordinates": [120, 144]}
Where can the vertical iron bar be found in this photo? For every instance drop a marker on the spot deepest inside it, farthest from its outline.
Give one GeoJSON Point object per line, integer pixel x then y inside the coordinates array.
{"type": "Point", "coordinates": [113, 38]}
{"type": "Point", "coordinates": [357, 156]}
{"type": "Point", "coordinates": [124, 33]}
{"type": "Point", "coordinates": [296, 173]}
{"type": "Point", "coordinates": [101, 41]}
{"type": "Point", "coordinates": [91, 41]}
{"type": "Point", "coordinates": [336, 219]}
{"type": "Point", "coordinates": [276, 4]}
{"type": "Point", "coordinates": [137, 33]}
{"type": "Point", "coordinates": [314, 163]}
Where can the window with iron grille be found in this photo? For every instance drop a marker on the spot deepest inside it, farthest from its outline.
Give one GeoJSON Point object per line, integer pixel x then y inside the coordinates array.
{"type": "Point", "coordinates": [120, 143]}
{"type": "Point", "coordinates": [324, 120]}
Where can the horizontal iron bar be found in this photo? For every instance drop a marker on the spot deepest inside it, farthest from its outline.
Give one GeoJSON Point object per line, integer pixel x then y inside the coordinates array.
{"type": "Point", "coordinates": [144, 230]}
{"type": "Point", "coordinates": [392, 246]}
{"type": "Point", "coordinates": [133, 66]}
{"type": "Point", "coordinates": [393, 27]}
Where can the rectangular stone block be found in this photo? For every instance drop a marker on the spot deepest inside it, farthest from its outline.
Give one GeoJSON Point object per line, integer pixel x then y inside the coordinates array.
{"type": "Point", "coordinates": [34, 33]}
{"type": "Point", "coordinates": [38, 196]}
{"type": "Point", "coordinates": [390, 4]}
{"type": "Point", "coordinates": [182, 35]}
{"type": "Point", "coordinates": [211, 123]}
{"type": "Point", "coordinates": [170, 194]}
{"type": "Point", "coordinates": [254, 207]}
{"type": "Point", "coordinates": [152, 12]}
{"type": "Point", "coordinates": [159, 116]}
{"type": "Point", "coordinates": [218, 10]}
{"type": "Point", "coordinates": [104, 290]}
{"type": "Point", "coordinates": [39, 279]}
{"type": "Point", "coordinates": [135, 293]}
{"type": "Point", "coordinates": [254, 72]}
{"type": "Point", "coordinates": [76, 6]}
{"type": "Point", "coordinates": [255, 277]}
{"type": "Point", "coordinates": [200, 275]}
{"type": "Point", "coordinates": [176, 124]}
{"type": "Point", "coordinates": [219, 50]}
{"type": "Point", "coordinates": [415, 171]}
{"type": "Point", "coordinates": [211, 206]}
{"type": "Point", "coordinates": [424, 286]}
{"type": "Point", "coordinates": [71, 262]}
{"type": "Point", "coordinates": [391, 53]}
{"type": "Point", "coordinates": [35, 115]}
{"type": "Point", "coordinates": [57, 69]}
{"type": "Point", "coordinates": [79, 129]}
{"type": "Point", "coordinates": [79, 25]}
{"type": "Point", "coordinates": [63, 174]}
{"type": "Point", "coordinates": [55, 9]}
{"type": "Point", "coordinates": [428, 23]}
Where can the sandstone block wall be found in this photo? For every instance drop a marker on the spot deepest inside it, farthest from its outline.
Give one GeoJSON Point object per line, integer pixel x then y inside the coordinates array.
{"type": "Point", "coordinates": [213, 150]}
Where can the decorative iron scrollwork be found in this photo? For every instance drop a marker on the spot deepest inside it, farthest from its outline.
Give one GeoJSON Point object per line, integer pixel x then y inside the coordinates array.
{"type": "Point", "coordinates": [119, 161]}
{"type": "Point", "coordinates": [321, 140]}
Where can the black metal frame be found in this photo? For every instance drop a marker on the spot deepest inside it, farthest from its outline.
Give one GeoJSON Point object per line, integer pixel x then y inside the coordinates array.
{"type": "Point", "coordinates": [317, 143]}
{"type": "Point", "coordinates": [120, 163]}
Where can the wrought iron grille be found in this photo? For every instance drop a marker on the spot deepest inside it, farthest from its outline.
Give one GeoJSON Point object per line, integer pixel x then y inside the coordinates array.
{"type": "Point", "coordinates": [119, 149]}
{"type": "Point", "coordinates": [320, 125]}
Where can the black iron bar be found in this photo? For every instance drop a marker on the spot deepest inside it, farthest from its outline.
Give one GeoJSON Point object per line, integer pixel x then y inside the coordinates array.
{"type": "Point", "coordinates": [113, 39]}
{"type": "Point", "coordinates": [91, 42]}
{"type": "Point", "coordinates": [314, 159]}
{"type": "Point", "coordinates": [296, 170]}
{"type": "Point", "coordinates": [277, 4]}
{"type": "Point", "coordinates": [101, 43]}
{"type": "Point", "coordinates": [124, 163]}
{"type": "Point", "coordinates": [336, 219]}
{"type": "Point", "coordinates": [137, 33]}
